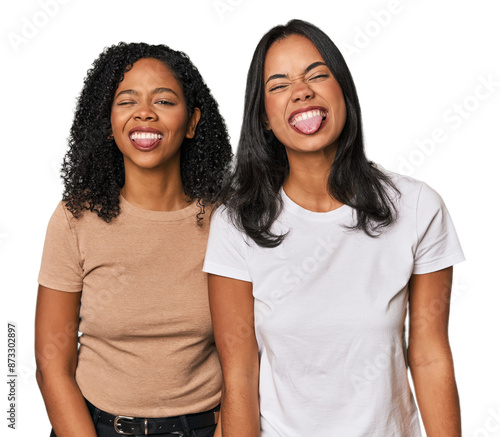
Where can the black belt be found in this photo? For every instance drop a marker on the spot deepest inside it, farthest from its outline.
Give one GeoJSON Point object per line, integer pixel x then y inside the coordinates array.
{"type": "Point", "coordinates": [159, 425]}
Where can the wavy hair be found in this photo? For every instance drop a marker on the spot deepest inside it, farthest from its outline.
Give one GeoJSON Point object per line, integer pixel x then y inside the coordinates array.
{"type": "Point", "coordinates": [93, 168]}
{"type": "Point", "coordinates": [262, 166]}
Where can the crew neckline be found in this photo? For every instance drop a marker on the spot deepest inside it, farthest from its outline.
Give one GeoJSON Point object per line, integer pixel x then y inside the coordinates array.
{"type": "Point", "coordinates": [295, 208]}
{"type": "Point", "coordinates": [147, 214]}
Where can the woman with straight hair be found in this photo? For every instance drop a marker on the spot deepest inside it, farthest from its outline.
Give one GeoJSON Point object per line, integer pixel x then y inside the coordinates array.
{"type": "Point", "coordinates": [314, 258]}
{"type": "Point", "coordinates": [148, 152]}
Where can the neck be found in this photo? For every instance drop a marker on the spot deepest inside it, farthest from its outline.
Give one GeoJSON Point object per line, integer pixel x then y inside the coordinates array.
{"type": "Point", "coordinates": [155, 189]}
{"type": "Point", "coordinates": [307, 181]}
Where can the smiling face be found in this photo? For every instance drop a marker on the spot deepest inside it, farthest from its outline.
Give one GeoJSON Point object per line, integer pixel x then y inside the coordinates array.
{"type": "Point", "coordinates": [149, 117]}
{"type": "Point", "coordinates": [304, 104]}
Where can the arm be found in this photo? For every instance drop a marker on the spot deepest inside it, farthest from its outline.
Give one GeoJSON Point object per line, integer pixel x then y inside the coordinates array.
{"type": "Point", "coordinates": [218, 429]}
{"type": "Point", "coordinates": [231, 305]}
{"type": "Point", "coordinates": [429, 353]}
{"type": "Point", "coordinates": [56, 347]}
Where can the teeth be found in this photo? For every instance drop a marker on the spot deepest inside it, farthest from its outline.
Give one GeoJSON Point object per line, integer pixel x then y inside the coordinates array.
{"type": "Point", "coordinates": [145, 136]}
{"type": "Point", "coordinates": [308, 114]}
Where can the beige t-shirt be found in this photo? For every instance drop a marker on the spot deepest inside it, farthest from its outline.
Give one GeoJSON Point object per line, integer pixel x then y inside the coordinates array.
{"type": "Point", "coordinates": [146, 344]}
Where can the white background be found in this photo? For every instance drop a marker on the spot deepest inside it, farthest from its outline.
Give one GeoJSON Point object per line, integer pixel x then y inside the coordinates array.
{"type": "Point", "coordinates": [418, 65]}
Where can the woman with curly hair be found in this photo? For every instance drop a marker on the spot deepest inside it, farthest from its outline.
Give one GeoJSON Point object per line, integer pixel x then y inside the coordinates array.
{"type": "Point", "coordinates": [314, 259]}
{"type": "Point", "coordinates": [148, 152]}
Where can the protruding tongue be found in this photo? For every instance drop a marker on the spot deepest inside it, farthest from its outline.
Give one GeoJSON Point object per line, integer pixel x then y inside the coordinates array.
{"type": "Point", "coordinates": [309, 125]}
{"type": "Point", "coordinates": [145, 142]}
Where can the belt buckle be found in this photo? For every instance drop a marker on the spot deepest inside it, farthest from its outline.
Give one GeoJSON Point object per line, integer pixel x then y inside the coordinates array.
{"type": "Point", "coordinates": [117, 424]}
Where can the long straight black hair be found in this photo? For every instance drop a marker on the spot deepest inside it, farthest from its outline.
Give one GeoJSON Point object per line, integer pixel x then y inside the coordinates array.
{"type": "Point", "coordinates": [262, 165]}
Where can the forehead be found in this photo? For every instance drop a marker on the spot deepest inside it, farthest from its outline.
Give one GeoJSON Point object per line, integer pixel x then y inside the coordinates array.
{"type": "Point", "coordinates": [149, 73]}
{"type": "Point", "coordinates": [291, 55]}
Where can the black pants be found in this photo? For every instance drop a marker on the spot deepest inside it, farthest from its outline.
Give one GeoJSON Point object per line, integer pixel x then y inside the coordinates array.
{"type": "Point", "coordinates": [104, 430]}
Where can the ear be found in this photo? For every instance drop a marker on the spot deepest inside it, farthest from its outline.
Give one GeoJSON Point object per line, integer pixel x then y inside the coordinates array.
{"type": "Point", "coordinates": [193, 122]}
{"type": "Point", "coordinates": [265, 122]}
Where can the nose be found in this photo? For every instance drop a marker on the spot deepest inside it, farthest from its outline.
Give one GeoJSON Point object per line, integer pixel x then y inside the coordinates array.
{"type": "Point", "coordinates": [301, 91]}
{"type": "Point", "coordinates": [144, 112]}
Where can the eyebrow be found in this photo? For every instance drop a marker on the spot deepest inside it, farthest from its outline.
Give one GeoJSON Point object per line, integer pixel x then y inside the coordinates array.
{"type": "Point", "coordinates": [165, 90]}
{"type": "Point", "coordinates": [156, 91]}
{"type": "Point", "coordinates": [307, 70]}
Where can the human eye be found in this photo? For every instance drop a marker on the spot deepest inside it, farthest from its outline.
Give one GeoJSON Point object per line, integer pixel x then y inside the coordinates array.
{"type": "Point", "coordinates": [278, 87]}
{"type": "Point", "coordinates": [318, 76]}
{"type": "Point", "coordinates": [125, 103]}
{"type": "Point", "coordinates": [165, 102]}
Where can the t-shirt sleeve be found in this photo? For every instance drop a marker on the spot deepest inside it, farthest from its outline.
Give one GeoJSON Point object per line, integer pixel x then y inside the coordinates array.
{"type": "Point", "coordinates": [227, 249]}
{"type": "Point", "coordinates": [438, 246]}
{"type": "Point", "coordinates": [61, 268]}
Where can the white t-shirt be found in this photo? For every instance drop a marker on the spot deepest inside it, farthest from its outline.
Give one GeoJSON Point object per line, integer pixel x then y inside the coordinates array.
{"type": "Point", "coordinates": [330, 307]}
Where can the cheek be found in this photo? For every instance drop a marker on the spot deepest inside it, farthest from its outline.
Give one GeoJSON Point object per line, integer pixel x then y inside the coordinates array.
{"type": "Point", "coordinates": [339, 107]}
{"type": "Point", "coordinates": [175, 121]}
{"type": "Point", "coordinates": [274, 114]}
{"type": "Point", "coordinates": [342, 114]}
{"type": "Point", "coordinates": [115, 122]}
{"type": "Point", "coordinates": [181, 120]}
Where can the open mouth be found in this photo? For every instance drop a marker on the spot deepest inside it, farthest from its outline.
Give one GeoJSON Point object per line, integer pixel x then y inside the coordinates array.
{"type": "Point", "coordinates": [145, 140]}
{"type": "Point", "coordinates": [308, 122]}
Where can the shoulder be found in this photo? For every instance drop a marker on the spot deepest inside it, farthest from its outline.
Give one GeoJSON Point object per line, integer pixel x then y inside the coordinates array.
{"type": "Point", "coordinates": [63, 218]}
{"type": "Point", "coordinates": [405, 184]}
{"type": "Point", "coordinates": [220, 213]}
{"type": "Point", "coordinates": [222, 220]}
{"type": "Point", "coordinates": [414, 192]}
{"type": "Point", "coordinates": [227, 248]}
{"type": "Point", "coordinates": [224, 225]}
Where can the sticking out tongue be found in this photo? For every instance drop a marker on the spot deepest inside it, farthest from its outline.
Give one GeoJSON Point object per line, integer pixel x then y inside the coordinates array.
{"type": "Point", "coordinates": [309, 125]}
{"type": "Point", "coordinates": [145, 142]}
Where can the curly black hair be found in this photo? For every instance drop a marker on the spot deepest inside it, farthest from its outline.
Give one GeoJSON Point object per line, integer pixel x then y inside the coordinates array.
{"type": "Point", "coordinates": [93, 168]}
